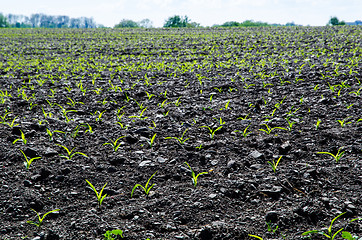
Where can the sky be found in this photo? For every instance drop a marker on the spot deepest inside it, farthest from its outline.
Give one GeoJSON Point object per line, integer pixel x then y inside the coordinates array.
{"type": "Point", "coordinates": [205, 12]}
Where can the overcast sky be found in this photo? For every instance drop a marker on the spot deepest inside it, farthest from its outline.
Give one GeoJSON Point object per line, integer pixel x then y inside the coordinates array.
{"type": "Point", "coordinates": [205, 12]}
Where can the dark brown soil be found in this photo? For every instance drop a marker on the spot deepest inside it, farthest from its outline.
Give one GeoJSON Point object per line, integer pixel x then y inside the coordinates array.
{"type": "Point", "coordinates": [225, 79]}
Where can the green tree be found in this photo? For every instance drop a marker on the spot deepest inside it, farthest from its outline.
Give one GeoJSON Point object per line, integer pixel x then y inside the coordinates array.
{"type": "Point", "coordinates": [126, 23]}
{"type": "Point", "coordinates": [3, 21]}
{"type": "Point", "coordinates": [335, 22]}
{"type": "Point", "coordinates": [180, 22]}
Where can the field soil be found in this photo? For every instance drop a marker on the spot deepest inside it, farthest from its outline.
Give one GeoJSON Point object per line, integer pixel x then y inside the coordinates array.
{"type": "Point", "coordinates": [230, 102]}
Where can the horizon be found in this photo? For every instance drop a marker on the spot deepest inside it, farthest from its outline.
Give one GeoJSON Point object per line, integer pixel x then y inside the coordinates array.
{"type": "Point", "coordinates": [207, 13]}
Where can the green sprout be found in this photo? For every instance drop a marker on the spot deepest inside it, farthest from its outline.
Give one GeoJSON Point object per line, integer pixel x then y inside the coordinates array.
{"type": "Point", "coordinates": [212, 131]}
{"type": "Point", "coordinates": [336, 157]}
{"type": "Point", "coordinates": [99, 195]}
{"type": "Point", "coordinates": [152, 139]}
{"type": "Point", "coordinates": [70, 153]}
{"type": "Point", "coordinates": [194, 176]}
{"type": "Point", "coordinates": [12, 123]}
{"type": "Point", "coordinates": [41, 219]}
{"type": "Point", "coordinates": [268, 129]}
{"type": "Point", "coordinates": [329, 234]}
{"type": "Point", "coordinates": [343, 122]}
{"type": "Point", "coordinates": [28, 161]}
{"type": "Point", "coordinates": [23, 139]}
{"type": "Point", "coordinates": [145, 188]}
{"type": "Point", "coordinates": [274, 164]}
{"type": "Point", "coordinates": [245, 132]}
{"type": "Point", "coordinates": [51, 134]}
{"type": "Point", "coordinates": [114, 143]}
{"type": "Point", "coordinates": [140, 116]}
{"type": "Point", "coordinates": [181, 139]}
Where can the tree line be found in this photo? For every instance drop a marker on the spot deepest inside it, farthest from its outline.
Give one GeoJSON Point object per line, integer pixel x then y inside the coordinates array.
{"type": "Point", "coordinates": [40, 20]}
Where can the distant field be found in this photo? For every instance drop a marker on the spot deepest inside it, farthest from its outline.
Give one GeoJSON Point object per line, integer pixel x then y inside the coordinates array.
{"type": "Point", "coordinates": [270, 117]}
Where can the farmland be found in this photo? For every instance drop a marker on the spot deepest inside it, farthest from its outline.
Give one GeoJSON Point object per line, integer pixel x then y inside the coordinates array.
{"type": "Point", "coordinates": [181, 134]}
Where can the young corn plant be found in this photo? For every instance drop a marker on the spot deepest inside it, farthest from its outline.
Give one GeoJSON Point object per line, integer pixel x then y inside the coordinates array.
{"type": "Point", "coordinates": [51, 134]}
{"type": "Point", "coordinates": [141, 115]}
{"type": "Point", "coordinates": [317, 124]}
{"type": "Point", "coordinates": [152, 140]}
{"type": "Point", "coordinates": [181, 139]}
{"type": "Point", "coordinates": [23, 139]}
{"type": "Point", "coordinates": [329, 234]}
{"type": "Point", "coordinates": [194, 176]}
{"type": "Point", "coordinates": [337, 156]}
{"type": "Point", "coordinates": [274, 164]}
{"type": "Point", "coordinates": [145, 188]}
{"type": "Point", "coordinates": [12, 123]}
{"type": "Point", "coordinates": [28, 161]}
{"type": "Point", "coordinates": [114, 144]}
{"type": "Point", "coordinates": [99, 195]}
{"type": "Point", "coordinates": [343, 122]}
{"type": "Point", "coordinates": [268, 129]}
{"type": "Point", "coordinates": [212, 131]}
{"type": "Point", "coordinates": [41, 219]}
{"type": "Point", "coordinates": [245, 132]}
{"type": "Point", "coordinates": [70, 153]}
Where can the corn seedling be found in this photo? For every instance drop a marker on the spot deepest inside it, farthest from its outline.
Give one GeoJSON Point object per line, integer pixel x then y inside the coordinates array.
{"type": "Point", "coordinates": [28, 161]}
{"type": "Point", "coordinates": [50, 103]}
{"type": "Point", "coordinates": [149, 96]}
{"type": "Point", "coordinates": [70, 153]}
{"type": "Point", "coordinates": [141, 115]}
{"type": "Point", "coordinates": [270, 227]}
{"type": "Point", "coordinates": [99, 118]}
{"type": "Point", "coordinates": [163, 104]}
{"type": "Point", "coordinates": [140, 105]}
{"type": "Point", "coordinates": [290, 124]}
{"type": "Point", "coordinates": [151, 140]}
{"type": "Point", "coordinates": [89, 128]}
{"type": "Point", "coordinates": [357, 93]}
{"type": "Point", "coordinates": [194, 176]}
{"type": "Point", "coordinates": [46, 115]}
{"type": "Point", "coordinates": [336, 157]}
{"type": "Point", "coordinates": [153, 125]}
{"type": "Point", "coordinates": [145, 188]}
{"type": "Point", "coordinates": [12, 123]}
{"type": "Point", "coordinates": [181, 139]}
{"type": "Point", "coordinates": [51, 134]}
{"type": "Point", "coordinates": [111, 235]}
{"type": "Point", "coordinates": [41, 219]}
{"type": "Point", "coordinates": [343, 122]}
{"type": "Point", "coordinates": [212, 131]}
{"type": "Point", "coordinates": [244, 118]}
{"type": "Point", "coordinates": [329, 234]}
{"type": "Point", "coordinates": [245, 132]}
{"type": "Point", "coordinates": [317, 124]}
{"type": "Point", "coordinates": [226, 105]}
{"type": "Point", "coordinates": [349, 106]}
{"type": "Point", "coordinates": [274, 164]}
{"type": "Point", "coordinates": [3, 118]}
{"type": "Point", "coordinates": [178, 102]}
{"type": "Point", "coordinates": [23, 139]}
{"type": "Point", "coordinates": [268, 129]}
{"type": "Point", "coordinates": [114, 144]}
{"type": "Point", "coordinates": [72, 102]}
{"type": "Point", "coordinates": [99, 195]}
{"type": "Point", "coordinates": [32, 105]}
